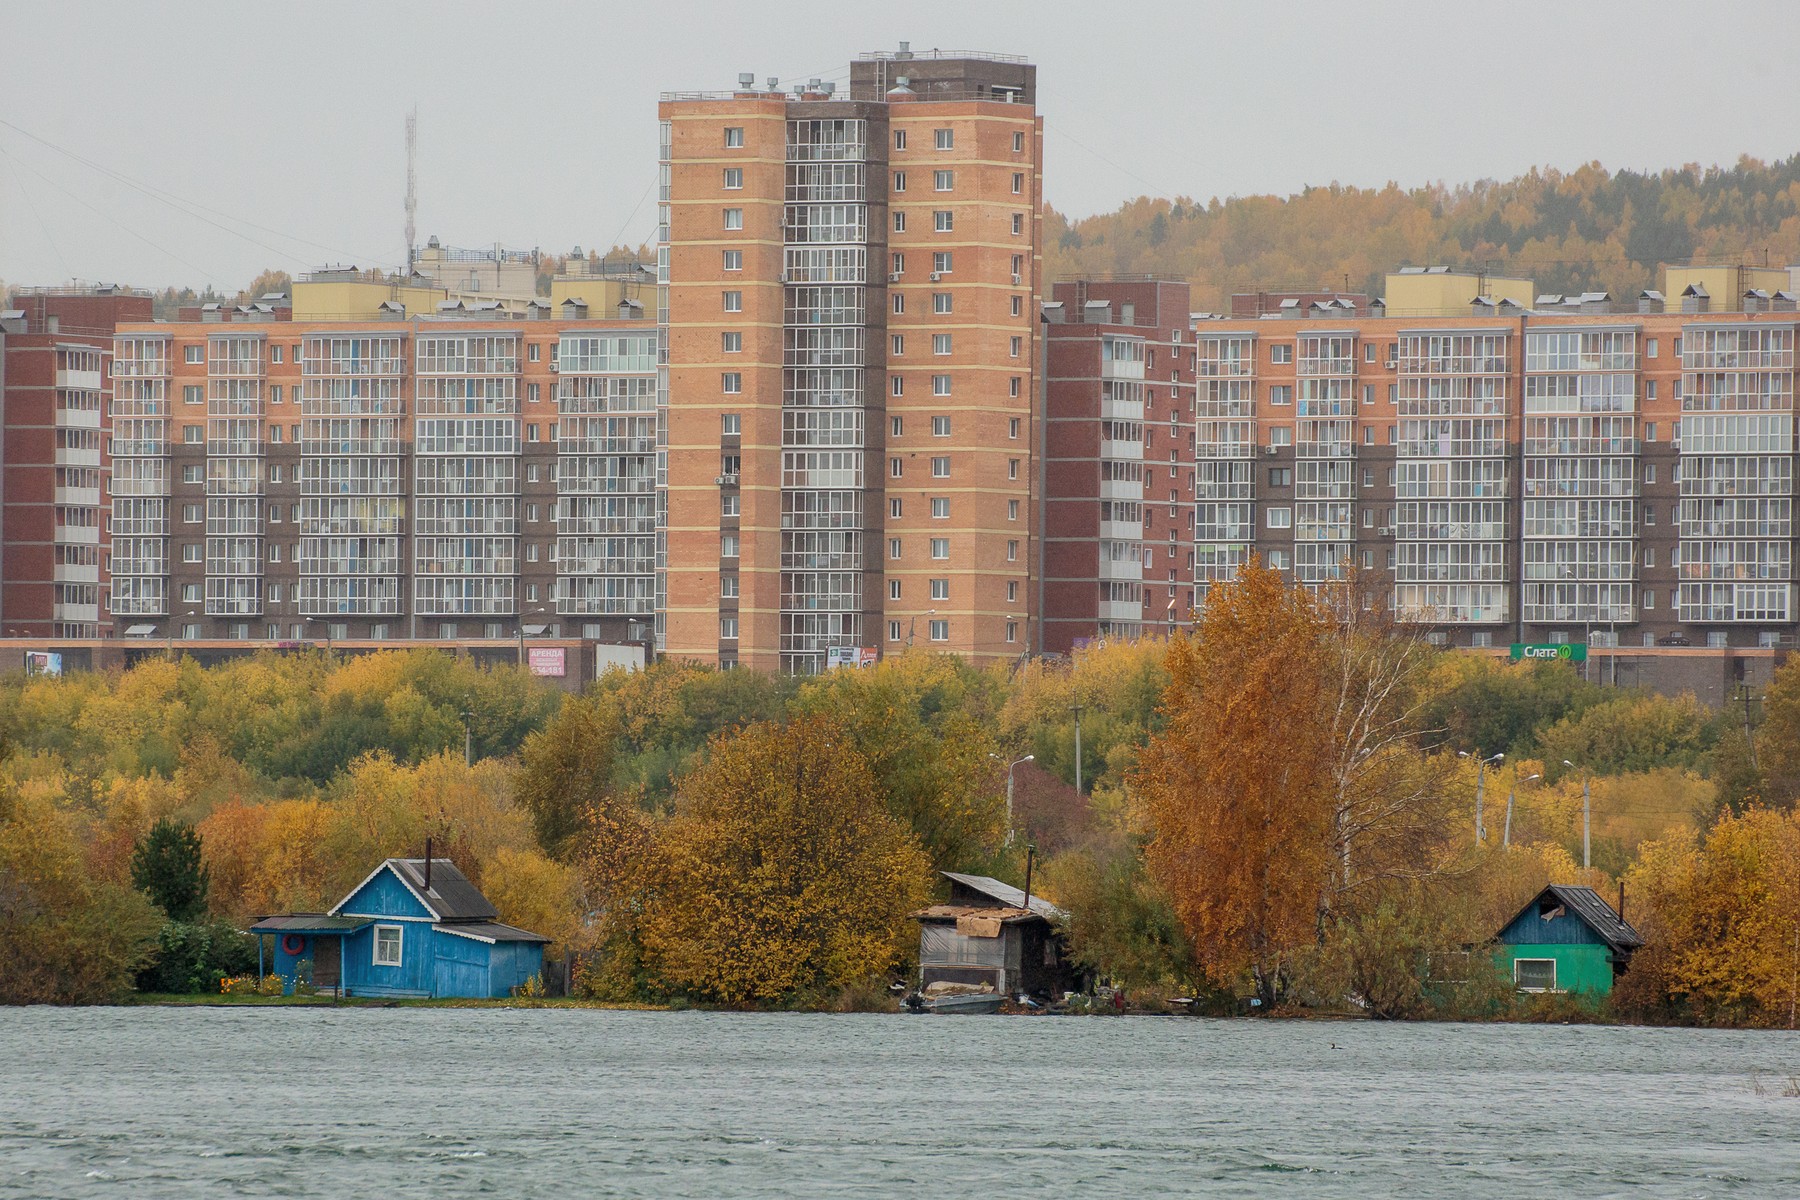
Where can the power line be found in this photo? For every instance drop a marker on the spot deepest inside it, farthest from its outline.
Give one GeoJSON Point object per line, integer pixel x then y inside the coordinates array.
{"type": "Point", "coordinates": [42, 225]}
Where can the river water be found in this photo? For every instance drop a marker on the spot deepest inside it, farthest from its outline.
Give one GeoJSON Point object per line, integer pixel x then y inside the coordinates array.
{"type": "Point", "coordinates": [147, 1102]}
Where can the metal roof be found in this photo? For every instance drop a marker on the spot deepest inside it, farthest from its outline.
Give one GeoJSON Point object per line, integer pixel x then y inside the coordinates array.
{"type": "Point", "coordinates": [950, 912]}
{"type": "Point", "coordinates": [1586, 904]}
{"type": "Point", "coordinates": [489, 931]}
{"type": "Point", "coordinates": [1006, 894]}
{"type": "Point", "coordinates": [310, 923]}
{"type": "Point", "coordinates": [451, 897]}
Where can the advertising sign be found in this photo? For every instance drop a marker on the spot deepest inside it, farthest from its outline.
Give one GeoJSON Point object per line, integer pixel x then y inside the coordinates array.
{"type": "Point", "coordinates": [1546, 651]}
{"type": "Point", "coordinates": [43, 662]}
{"type": "Point", "coordinates": [548, 660]}
{"type": "Point", "coordinates": [849, 656]}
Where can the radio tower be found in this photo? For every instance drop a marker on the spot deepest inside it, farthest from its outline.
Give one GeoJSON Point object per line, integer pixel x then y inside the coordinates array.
{"type": "Point", "coordinates": [412, 189]}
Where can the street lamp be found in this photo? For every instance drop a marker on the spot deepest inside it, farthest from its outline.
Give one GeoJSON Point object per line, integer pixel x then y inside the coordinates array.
{"type": "Point", "coordinates": [468, 720]}
{"type": "Point", "coordinates": [1076, 709]}
{"type": "Point", "coordinates": [326, 625]}
{"type": "Point", "coordinates": [1506, 838]}
{"type": "Point", "coordinates": [1586, 811]}
{"type": "Point", "coordinates": [1009, 789]}
{"type": "Point", "coordinates": [912, 626]}
{"type": "Point", "coordinates": [1481, 766]}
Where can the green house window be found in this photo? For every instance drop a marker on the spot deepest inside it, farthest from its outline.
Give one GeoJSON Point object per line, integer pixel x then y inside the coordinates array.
{"type": "Point", "coordinates": [1534, 974]}
{"type": "Point", "coordinates": [387, 945]}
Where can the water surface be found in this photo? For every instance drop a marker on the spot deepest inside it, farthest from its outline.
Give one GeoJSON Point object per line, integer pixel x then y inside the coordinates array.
{"type": "Point", "coordinates": [448, 1102]}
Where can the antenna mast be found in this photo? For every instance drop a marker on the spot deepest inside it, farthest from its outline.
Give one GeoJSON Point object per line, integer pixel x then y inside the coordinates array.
{"type": "Point", "coordinates": [412, 188]}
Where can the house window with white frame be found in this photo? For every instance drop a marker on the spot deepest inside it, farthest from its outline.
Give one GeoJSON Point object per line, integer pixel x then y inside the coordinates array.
{"type": "Point", "coordinates": [387, 945]}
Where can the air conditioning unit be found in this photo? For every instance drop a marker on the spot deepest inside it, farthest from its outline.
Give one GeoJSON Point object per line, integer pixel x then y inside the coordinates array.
{"type": "Point", "coordinates": [894, 277]}
{"type": "Point", "coordinates": [1385, 531]}
{"type": "Point", "coordinates": [1392, 363]}
{"type": "Point", "coordinates": [726, 481]}
{"type": "Point", "coordinates": [1269, 450]}
{"type": "Point", "coordinates": [935, 276]}
{"type": "Point", "coordinates": [1018, 279]}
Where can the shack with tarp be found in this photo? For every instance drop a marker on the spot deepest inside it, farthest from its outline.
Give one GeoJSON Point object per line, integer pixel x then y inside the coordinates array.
{"type": "Point", "coordinates": [989, 934]}
{"type": "Point", "coordinates": [413, 928]}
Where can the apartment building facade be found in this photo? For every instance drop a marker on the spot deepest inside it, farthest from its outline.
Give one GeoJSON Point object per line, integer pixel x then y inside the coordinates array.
{"type": "Point", "coordinates": [1116, 449]}
{"type": "Point", "coordinates": [55, 352]}
{"type": "Point", "coordinates": [1583, 468]}
{"type": "Point", "coordinates": [433, 478]}
{"type": "Point", "coordinates": [850, 293]}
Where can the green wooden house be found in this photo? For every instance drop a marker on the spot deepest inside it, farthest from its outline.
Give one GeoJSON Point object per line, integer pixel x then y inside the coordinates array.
{"type": "Point", "coordinates": [1567, 939]}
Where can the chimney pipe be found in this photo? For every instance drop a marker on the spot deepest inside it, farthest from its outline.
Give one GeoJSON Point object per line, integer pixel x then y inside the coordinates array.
{"type": "Point", "coordinates": [428, 864]}
{"type": "Point", "coordinates": [1621, 901]}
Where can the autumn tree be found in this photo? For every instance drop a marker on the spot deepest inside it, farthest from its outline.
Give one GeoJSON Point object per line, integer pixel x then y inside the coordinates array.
{"type": "Point", "coordinates": [567, 769]}
{"type": "Point", "coordinates": [782, 875]}
{"type": "Point", "coordinates": [1238, 786]}
{"type": "Point", "coordinates": [168, 868]}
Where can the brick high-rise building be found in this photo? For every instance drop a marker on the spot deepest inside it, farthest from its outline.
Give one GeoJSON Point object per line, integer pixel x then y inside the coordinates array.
{"type": "Point", "coordinates": [851, 286]}
{"type": "Point", "coordinates": [55, 347]}
{"type": "Point", "coordinates": [1117, 454]}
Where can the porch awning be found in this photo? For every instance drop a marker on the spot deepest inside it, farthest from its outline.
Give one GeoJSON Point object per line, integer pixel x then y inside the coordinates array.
{"type": "Point", "coordinates": [310, 923]}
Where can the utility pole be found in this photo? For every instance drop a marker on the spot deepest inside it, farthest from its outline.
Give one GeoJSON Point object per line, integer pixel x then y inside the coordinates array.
{"type": "Point", "coordinates": [1076, 709]}
{"type": "Point", "coordinates": [1506, 838]}
{"type": "Point", "coordinates": [468, 738]}
{"type": "Point", "coordinates": [1749, 736]}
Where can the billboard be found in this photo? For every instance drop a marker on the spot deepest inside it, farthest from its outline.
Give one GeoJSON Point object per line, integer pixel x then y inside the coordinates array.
{"type": "Point", "coordinates": [548, 660]}
{"type": "Point", "coordinates": [850, 656]}
{"type": "Point", "coordinates": [43, 662]}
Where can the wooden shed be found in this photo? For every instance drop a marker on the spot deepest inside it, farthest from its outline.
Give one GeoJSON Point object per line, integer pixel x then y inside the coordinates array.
{"type": "Point", "coordinates": [414, 927]}
{"type": "Point", "coordinates": [1567, 939]}
{"type": "Point", "coordinates": [990, 934]}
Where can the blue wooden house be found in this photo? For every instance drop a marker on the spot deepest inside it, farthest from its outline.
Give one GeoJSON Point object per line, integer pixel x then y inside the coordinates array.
{"type": "Point", "coordinates": [414, 928]}
{"type": "Point", "coordinates": [1567, 939]}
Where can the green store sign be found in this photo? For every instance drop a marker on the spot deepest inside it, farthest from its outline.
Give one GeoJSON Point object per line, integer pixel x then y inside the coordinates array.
{"type": "Point", "coordinates": [1545, 651]}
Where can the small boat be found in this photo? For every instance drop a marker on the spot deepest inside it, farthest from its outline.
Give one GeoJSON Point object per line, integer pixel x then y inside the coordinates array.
{"type": "Point", "coordinates": [955, 1003]}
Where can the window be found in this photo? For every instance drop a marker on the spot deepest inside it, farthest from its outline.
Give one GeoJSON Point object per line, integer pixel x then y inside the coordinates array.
{"type": "Point", "coordinates": [898, 425]}
{"type": "Point", "coordinates": [731, 343]}
{"type": "Point", "coordinates": [1012, 468]}
{"type": "Point", "coordinates": [731, 383]}
{"type": "Point", "coordinates": [1012, 424]}
{"type": "Point", "coordinates": [1649, 431]}
{"type": "Point", "coordinates": [387, 945]}
{"type": "Point", "coordinates": [1012, 552]}
{"type": "Point", "coordinates": [940, 427]}
{"type": "Point", "coordinates": [728, 629]}
{"type": "Point", "coordinates": [943, 221]}
{"type": "Point", "coordinates": [1018, 183]}
{"type": "Point", "coordinates": [191, 552]}
{"type": "Point", "coordinates": [1016, 346]}
{"type": "Point", "coordinates": [942, 302]}
{"type": "Point", "coordinates": [1280, 518]}
{"type": "Point", "coordinates": [894, 547]}
{"type": "Point", "coordinates": [734, 137]}
{"type": "Point", "coordinates": [193, 354]}
{"type": "Point", "coordinates": [899, 181]}
{"type": "Point", "coordinates": [1012, 389]}
{"type": "Point", "coordinates": [734, 178]}
{"type": "Point", "coordinates": [1281, 393]}
{"type": "Point", "coordinates": [897, 345]}
{"type": "Point", "coordinates": [275, 434]}
{"type": "Point", "coordinates": [731, 424]}
{"type": "Point", "coordinates": [1281, 435]}
{"type": "Point", "coordinates": [1018, 305]}
{"type": "Point", "coordinates": [1281, 477]}
{"type": "Point", "coordinates": [1012, 510]}
{"type": "Point", "coordinates": [899, 263]}
{"type": "Point", "coordinates": [944, 139]}
{"type": "Point", "coordinates": [531, 393]}
{"type": "Point", "coordinates": [1018, 223]}
{"type": "Point", "coordinates": [940, 508]}
{"type": "Point", "coordinates": [940, 467]}
{"type": "Point", "coordinates": [1650, 347]}
{"type": "Point", "coordinates": [730, 464]}
{"type": "Point", "coordinates": [734, 218]}
{"type": "Point", "coordinates": [1649, 472]}
{"type": "Point", "coordinates": [1368, 352]}
{"type": "Point", "coordinates": [190, 514]}
{"type": "Point", "coordinates": [940, 343]}
{"type": "Point", "coordinates": [190, 593]}
{"type": "Point", "coordinates": [728, 545]}
{"type": "Point", "coordinates": [728, 506]}
{"type": "Point", "coordinates": [193, 435]}
{"type": "Point", "coordinates": [893, 589]}
{"type": "Point", "coordinates": [1280, 353]}
{"type": "Point", "coordinates": [944, 181]}
{"type": "Point", "coordinates": [940, 589]}
{"type": "Point", "coordinates": [940, 631]}
{"type": "Point", "coordinates": [940, 385]}
{"type": "Point", "coordinates": [899, 139]}
{"type": "Point", "coordinates": [899, 302]}
{"type": "Point", "coordinates": [896, 507]}
{"type": "Point", "coordinates": [1012, 631]}
{"type": "Point", "coordinates": [193, 393]}
{"type": "Point", "coordinates": [942, 262]}
{"type": "Point", "coordinates": [896, 468]}
{"type": "Point", "coordinates": [899, 220]}
{"type": "Point", "coordinates": [1018, 143]}
{"type": "Point", "coordinates": [940, 547]}
{"type": "Point", "coordinates": [893, 631]}
{"type": "Point", "coordinates": [734, 260]}
{"type": "Point", "coordinates": [531, 431]}
{"type": "Point", "coordinates": [1534, 974]}
{"type": "Point", "coordinates": [734, 301]}
{"type": "Point", "coordinates": [1650, 389]}
{"type": "Point", "coordinates": [532, 352]}
{"type": "Point", "coordinates": [1649, 601]}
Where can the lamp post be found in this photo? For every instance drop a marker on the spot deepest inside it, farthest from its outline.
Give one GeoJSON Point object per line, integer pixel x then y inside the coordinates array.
{"type": "Point", "coordinates": [1586, 813]}
{"type": "Point", "coordinates": [326, 626]}
{"type": "Point", "coordinates": [1076, 709]}
{"type": "Point", "coordinates": [1481, 766]}
{"type": "Point", "coordinates": [912, 626]}
{"type": "Point", "coordinates": [468, 719]}
{"type": "Point", "coordinates": [1009, 789]}
{"type": "Point", "coordinates": [1506, 838]}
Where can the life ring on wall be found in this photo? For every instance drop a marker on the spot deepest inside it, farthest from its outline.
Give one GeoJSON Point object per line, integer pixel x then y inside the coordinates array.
{"type": "Point", "coordinates": [293, 943]}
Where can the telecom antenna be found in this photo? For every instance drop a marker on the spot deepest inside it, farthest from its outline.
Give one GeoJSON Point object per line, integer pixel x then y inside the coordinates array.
{"type": "Point", "coordinates": [412, 184]}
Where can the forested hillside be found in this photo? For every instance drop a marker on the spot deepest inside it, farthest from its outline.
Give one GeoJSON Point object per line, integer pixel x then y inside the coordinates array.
{"type": "Point", "coordinates": [1588, 229]}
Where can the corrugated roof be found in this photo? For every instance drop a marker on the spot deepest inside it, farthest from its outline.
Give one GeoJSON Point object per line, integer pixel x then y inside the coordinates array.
{"type": "Point", "coordinates": [951, 912]}
{"type": "Point", "coordinates": [452, 897]}
{"type": "Point", "coordinates": [1594, 912]}
{"type": "Point", "coordinates": [1006, 894]}
{"type": "Point", "coordinates": [309, 923]}
{"type": "Point", "coordinates": [489, 931]}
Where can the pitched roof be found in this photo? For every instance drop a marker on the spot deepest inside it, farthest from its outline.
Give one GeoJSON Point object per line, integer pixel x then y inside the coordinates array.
{"type": "Point", "coordinates": [451, 896]}
{"type": "Point", "coordinates": [1006, 894]}
{"type": "Point", "coordinates": [1585, 904]}
{"type": "Point", "coordinates": [489, 931]}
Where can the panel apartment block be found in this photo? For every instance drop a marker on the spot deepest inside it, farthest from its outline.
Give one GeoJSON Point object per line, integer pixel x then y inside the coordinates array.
{"type": "Point", "coordinates": [851, 286]}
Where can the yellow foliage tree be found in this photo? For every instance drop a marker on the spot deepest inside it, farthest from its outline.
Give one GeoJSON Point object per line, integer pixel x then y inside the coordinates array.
{"type": "Point", "coordinates": [782, 874]}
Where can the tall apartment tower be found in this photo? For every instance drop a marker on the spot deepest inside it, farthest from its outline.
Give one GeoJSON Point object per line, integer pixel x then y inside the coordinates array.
{"type": "Point", "coordinates": [1118, 441]}
{"type": "Point", "coordinates": [850, 302]}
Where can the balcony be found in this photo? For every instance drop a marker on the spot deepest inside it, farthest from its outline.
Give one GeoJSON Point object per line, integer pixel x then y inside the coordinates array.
{"type": "Point", "coordinates": [1121, 451]}
{"type": "Point", "coordinates": [1129, 570]}
{"type": "Point", "coordinates": [1122, 489]}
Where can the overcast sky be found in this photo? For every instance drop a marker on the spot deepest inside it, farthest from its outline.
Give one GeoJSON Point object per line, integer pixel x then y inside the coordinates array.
{"type": "Point", "coordinates": [200, 143]}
